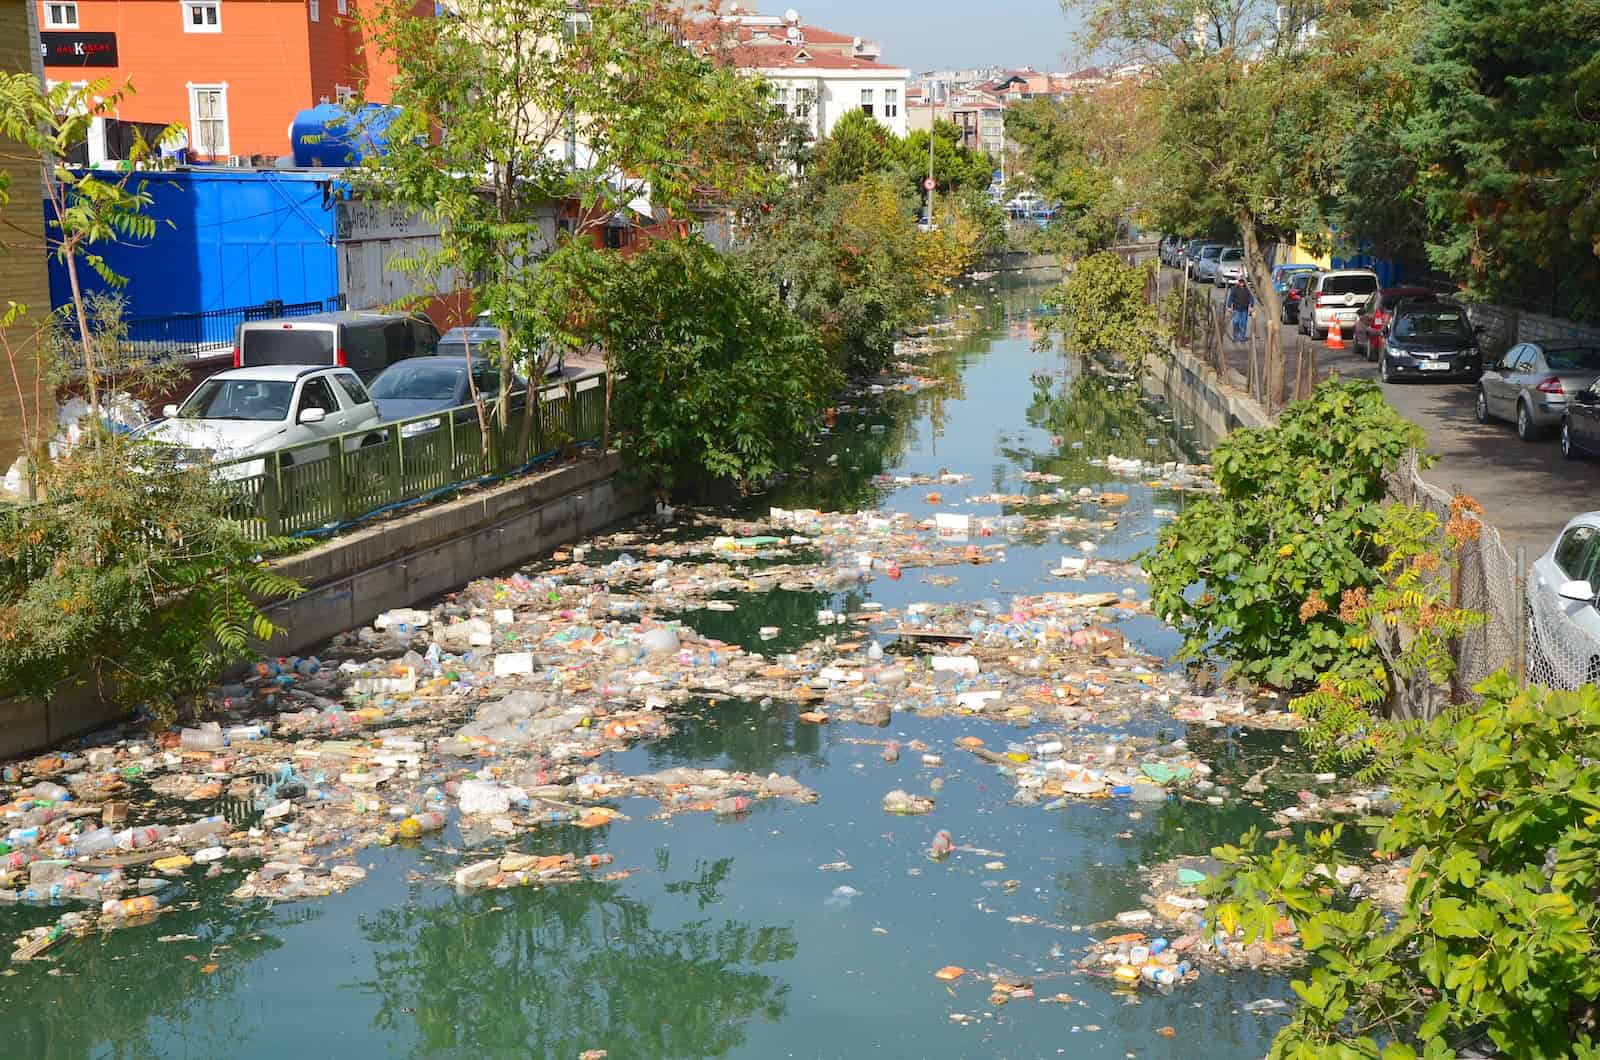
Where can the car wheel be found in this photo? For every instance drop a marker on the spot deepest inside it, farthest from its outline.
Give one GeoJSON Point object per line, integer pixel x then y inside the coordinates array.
{"type": "Point", "coordinates": [1480, 408]}
{"type": "Point", "coordinates": [1526, 430]}
{"type": "Point", "coordinates": [1568, 450]}
{"type": "Point", "coordinates": [1383, 368]}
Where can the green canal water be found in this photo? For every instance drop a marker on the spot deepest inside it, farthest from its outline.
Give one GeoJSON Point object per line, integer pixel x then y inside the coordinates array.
{"type": "Point", "coordinates": [727, 939]}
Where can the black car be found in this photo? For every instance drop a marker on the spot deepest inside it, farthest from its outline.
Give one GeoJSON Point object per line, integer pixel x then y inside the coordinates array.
{"type": "Point", "coordinates": [1294, 294]}
{"type": "Point", "coordinates": [423, 385]}
{"type": "Point", "coordinates": [1580, 426]}
{"type": "Point", "coordinates": [1429, 340]}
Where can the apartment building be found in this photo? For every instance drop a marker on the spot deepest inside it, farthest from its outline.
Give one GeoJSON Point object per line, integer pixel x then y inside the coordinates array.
{"type": "Point", "coordinates": [232, 72]}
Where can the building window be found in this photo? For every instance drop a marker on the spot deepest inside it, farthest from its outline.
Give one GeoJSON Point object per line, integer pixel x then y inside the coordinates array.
{"type": "Point", "coordinates": [316, 10]}
{"type": "Point", "coordinates": [61, 16]}
{"type": "Point", "coordinates": [202, 16]}
{"type": "Point", "coordinates": [343, 94]}
{"type": "Point", "coordinates": [891, 102]}
{"type": "Point", "coordinates": [208, 120]}
{"type": "Point", "coordinates": [344, 7]}
{"type": "Point", "coordinates": [803, 98]}
{"type": "Point", "coordinates": [866, 102]}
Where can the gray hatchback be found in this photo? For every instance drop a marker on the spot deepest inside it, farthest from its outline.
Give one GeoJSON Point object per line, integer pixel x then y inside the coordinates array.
{"type": "Point", "coordinates": [1533, 383]}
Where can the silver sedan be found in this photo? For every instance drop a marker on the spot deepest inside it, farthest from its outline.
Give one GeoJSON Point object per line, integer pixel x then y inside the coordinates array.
{"type": "Point", "coordinates": [1532, 383]}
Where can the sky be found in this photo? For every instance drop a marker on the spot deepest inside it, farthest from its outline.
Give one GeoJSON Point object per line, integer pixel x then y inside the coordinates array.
{"type": "Point", "coordinates": [940, 34]}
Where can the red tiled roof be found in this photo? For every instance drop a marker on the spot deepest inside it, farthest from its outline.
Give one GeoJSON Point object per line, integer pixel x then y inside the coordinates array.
{"type": "Point", "coordinates": [779, 55]}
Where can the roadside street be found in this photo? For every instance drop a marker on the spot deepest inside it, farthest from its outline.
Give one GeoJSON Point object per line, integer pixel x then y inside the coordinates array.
{"type": "Point", "coordinates": [1528, 489]}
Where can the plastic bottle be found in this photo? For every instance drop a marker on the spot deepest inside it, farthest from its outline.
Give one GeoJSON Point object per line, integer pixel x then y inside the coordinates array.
{"type": "Point", "coordinates": [122, 908]}
{"type": "Point", "coordinates": [94, 841]}
{"type": "Point", "coordinates": [729, 807]}
{"type": "Point", "coordinates": [204, 828]}
{"type": "Point", "coordinates": [139, 838]}
{"type": "Point", "coordinates": [422, 823]}
{"type": "Point", "coordinates": [50, 792]}
{"type": "Point", "coordinates": [201, 739]}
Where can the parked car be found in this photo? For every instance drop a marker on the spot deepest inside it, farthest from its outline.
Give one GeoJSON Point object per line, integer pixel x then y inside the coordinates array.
{"type": "Point", "coordinates": [1229, 267]}
{"type": "Point", "coordinates": [1432, 340]}
{"type": "Point", "coordinates": [365, 341]}
{"type": "Point", "coordinates": [1335, 295]}
{"type": "Point", "coordinates": [1204, 266]}
{"type": "Point", "coordinates": [252, 411]}
{"type": "Point", "coordinates": [1295, 295]}
{"type": "Point", "coordinates": [1580, 427]}
{"type": "Point", "coordinates": [480, 335]}
{"type": "Point", "coordinates": [422, 385]}
{"type": "Point", "coordinates": [1563, 624]}
{"type": "Point", "coordinates": [1378, 311]}
{"type": "Point", "coordinates": [1194, 253]}
{"type": "Point", "coordinates": [1282, 274]}
{"type": "Point", "coordinates": [1172, 251]}
{"type": "Point", "coordinates": [1531, 383]}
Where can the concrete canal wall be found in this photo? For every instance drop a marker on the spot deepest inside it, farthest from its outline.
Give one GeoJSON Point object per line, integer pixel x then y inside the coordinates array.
{"type": "Point", "coordinates": [352, 579]}
{"type": "Point", "coordinates": [398, 563]}
{"type": "Point", "coordinates": [1215, 404]}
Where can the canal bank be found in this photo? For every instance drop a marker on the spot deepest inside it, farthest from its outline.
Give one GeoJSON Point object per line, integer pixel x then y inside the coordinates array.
{"type": "Point", "coordinates": [790, 928]}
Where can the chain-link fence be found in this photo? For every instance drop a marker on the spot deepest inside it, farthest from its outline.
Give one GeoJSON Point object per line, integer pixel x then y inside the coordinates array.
{"type": "Point", "coordinates": [1487, 579]}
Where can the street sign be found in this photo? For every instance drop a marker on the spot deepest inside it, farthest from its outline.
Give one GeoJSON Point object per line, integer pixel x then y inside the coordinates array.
{"type": "Point", "coordinates": [928, 184]}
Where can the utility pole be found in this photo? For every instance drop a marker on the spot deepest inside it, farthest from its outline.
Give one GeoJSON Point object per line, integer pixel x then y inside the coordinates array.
{"type": "Point", "coordinates": [930, 183]}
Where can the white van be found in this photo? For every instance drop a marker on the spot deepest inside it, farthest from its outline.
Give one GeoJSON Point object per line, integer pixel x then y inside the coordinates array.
{"type": "Point", "coordinates": [366, 341]}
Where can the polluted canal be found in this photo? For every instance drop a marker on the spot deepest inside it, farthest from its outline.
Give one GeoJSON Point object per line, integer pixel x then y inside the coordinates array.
{"type": "Point", "coordinates": [890, 760]}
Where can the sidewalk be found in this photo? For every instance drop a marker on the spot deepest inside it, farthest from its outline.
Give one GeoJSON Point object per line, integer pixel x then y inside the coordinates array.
{"type": "Point", "coordinates": [1528, 490]}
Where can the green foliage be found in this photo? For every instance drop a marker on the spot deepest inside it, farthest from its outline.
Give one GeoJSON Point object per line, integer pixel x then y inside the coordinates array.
{"type": "Point", "coordinates": [525, 111]}
{"type": "Point", "coordinates": [957, 168]}
{"type": "Point", "coordinates": [723, 381]}
{"type": "Point", "coordinates": [1504, 143]}
{"type": "Point", "coordinates": [849, 264]}
{"type": "Point", "coordinates": [1101, 308]}
{"type": "Point", "coordinates": [1248, 573]}
{"type": "Point", "coordinates": [1076, 155]}
{"type": "Point", "coordinates": [130, 577]}
{"type": "Point", "coordinates": [1496, 938]}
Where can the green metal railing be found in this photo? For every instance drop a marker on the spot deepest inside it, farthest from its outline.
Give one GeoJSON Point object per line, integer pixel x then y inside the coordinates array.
{"type": "Point", "coordinates": [323, 485]}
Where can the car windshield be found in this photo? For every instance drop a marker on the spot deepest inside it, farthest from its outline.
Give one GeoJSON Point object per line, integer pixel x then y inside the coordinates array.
{"type": "Point", "coordinates": [1355, 284]}
{"type": "Point", "coordinates": [1573, 359]}
{"type": "Point", "coordinates": [1431, 324]}
{"type": "Point", "coordinates": [419, 382]}
{"type": "Point", "coordinates": [1210, 252]}
{"type": "Point", "coordinates": [239, 399]}
{"type": "Point", "coordinates": [1232, 254]}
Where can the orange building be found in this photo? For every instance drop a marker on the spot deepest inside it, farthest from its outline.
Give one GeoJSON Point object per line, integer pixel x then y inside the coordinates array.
{"type": "Point", "coordinates": [233, 72]}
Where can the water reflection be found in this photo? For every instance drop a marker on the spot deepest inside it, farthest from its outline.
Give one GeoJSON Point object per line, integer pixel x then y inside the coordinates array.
{"type": "Point", "coordinates": [558, 972]}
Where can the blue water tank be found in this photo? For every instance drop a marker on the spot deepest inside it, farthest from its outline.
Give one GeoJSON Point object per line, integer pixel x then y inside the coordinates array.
{"type": "Point", "coordinates": [329, 135]}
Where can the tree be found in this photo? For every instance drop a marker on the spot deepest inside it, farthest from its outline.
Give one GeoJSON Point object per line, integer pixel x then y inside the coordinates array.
{"type": "Point", "coordinates": [84, 206]}
{"type": "Point", "coordinates": [857, 147]}
{"type": "Point", "coordinates": [1255, 573]}
{"type": "Point", "coordinates": [957, 168]}
{"type": "Point", "coordinates": [1251, 114]}
{"type": "Point", "coordinates": [1102, 308]}
{"type": "Point", "coordinates": [1504, 142]}
{"type": "Point", "coordinates": [724, 382]}
{"type": "Point", "coordinates": [1492, 948]}
{"type": "Point", "coordinates": [517, 117]}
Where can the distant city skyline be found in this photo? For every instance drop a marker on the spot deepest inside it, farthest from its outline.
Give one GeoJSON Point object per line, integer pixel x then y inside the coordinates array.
{"type": "Point", "coordinates": [947, 34]}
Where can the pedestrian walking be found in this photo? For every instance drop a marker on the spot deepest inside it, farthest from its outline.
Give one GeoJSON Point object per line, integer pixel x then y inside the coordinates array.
{"type": "Point", "coordinates": [1240, 302]}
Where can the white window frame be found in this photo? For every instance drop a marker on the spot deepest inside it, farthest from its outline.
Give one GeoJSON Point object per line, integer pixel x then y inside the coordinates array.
{"type": "Point", "coordinates": [868, 107]}
{"type": "Point", "coordinates": [50, 9]}
{"type": "Point", "coordinates": [343, 94]}
{"type": "Point", "coordinates": [315, 8]}
{"type": "Point", "coordinates": [194, 120]}
{"type": "Point", "coordinates": [184, 11]}
{"type": "Point", "coordinates": [344, 7]}
{"type": "Point", "coordinates": [891, 102]}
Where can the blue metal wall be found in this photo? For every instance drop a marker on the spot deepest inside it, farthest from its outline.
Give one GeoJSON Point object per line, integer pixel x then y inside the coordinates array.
{"type": "Point", "coordinates": [226, 238]}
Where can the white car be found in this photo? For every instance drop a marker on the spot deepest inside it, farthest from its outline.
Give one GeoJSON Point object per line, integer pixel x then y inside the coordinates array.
{"type": "Point", "coordinates": [1563, 623]}
{"type": "Point", "coordinates": [253, 411]}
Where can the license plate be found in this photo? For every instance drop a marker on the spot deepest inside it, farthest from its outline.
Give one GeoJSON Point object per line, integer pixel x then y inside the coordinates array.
{"type": "Point", "coordinates": [1433, 366]}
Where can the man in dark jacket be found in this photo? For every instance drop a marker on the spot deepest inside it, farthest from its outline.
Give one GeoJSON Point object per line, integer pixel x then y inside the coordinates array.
{"type": "Point", "coordinates": [1239, 301]}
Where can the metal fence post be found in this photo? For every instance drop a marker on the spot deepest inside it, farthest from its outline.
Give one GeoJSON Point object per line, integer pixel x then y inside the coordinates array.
{"type": "Point", "coordinates": [272, 494]}
{"type": "Point", "coordinates": [397, 467]}
{"type": "Point", "coordinates": [1520, 587]}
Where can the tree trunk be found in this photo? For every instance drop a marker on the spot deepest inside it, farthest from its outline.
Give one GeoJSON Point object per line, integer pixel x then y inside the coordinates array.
{"type": "Point", "coordinates": [1271, 308]}
{"type": "Point", "coordinates": [90, 371]}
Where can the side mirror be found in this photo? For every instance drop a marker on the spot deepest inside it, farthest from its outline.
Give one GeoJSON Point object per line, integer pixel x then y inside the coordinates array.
{"type": "Point", "coordinates": [1578, 592]}
{"type": "Point", "coordinates": [169, 411]}
{"type": "Point", "coordinates": [312, 416]}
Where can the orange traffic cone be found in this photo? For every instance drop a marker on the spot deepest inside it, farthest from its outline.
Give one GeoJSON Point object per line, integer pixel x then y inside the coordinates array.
{"type": "Point", "coordinates": [1336, 336]}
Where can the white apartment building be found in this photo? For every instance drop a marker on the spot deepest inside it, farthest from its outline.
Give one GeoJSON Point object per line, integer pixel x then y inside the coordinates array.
{"type": "Point", "coordinates": [818, 76]}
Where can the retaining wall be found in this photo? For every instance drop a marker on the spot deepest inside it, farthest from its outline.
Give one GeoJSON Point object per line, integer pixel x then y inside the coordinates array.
{"type": "Point", "coordinates": [405, 561]}
{"type": "Point", "coordinates": [1216, 404]}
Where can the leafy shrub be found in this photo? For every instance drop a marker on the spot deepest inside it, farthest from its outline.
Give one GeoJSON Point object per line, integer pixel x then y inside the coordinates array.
{"type": "Point", "coordinates": [130, 577]}
{"type": "Point", "coordinates": [1102, 309]}
{"type": "Point", "coordinates": [1242, 573]}
{"type": "Point", "coordinates": [1498, 934]}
